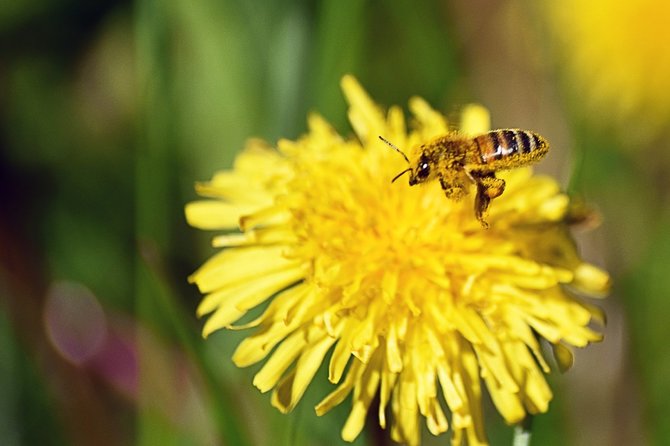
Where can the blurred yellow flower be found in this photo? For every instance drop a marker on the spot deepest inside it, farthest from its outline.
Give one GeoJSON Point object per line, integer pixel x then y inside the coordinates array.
{"type": "Point", "coordinates": [617, 57]}
{"type": "Point", "coordinates": [415, 302]}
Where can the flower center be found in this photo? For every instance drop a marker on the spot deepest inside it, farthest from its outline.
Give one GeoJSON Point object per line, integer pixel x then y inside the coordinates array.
{"type": "Point", "coordinates": [367, 238]}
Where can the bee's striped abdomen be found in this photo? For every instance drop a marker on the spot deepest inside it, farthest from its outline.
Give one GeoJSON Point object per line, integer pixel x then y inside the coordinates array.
{"type": "Point", "coordinates": [509, 148]}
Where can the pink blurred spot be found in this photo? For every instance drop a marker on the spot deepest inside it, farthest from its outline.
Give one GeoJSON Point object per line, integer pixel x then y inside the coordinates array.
{"type": "Point", "coordinates": [79, 330]}
{"type": "Point", "coordinates": [116, 361]}
{"type": "Point", "coordinates": [74, 321]}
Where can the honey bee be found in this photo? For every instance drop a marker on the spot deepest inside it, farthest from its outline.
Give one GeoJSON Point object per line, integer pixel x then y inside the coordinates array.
{"type": "Point", "coordinates": [455, 159]}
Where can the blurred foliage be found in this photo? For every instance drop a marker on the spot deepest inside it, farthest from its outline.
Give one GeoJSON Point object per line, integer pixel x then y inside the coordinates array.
{"type": "Point", "coordinates": [109, 111]}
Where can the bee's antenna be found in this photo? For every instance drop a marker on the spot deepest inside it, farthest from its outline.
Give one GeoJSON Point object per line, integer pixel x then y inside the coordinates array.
{"type": "Point", "coordinates": [409, 169]}
{"type": "Point", "coordinates": [397, 150]}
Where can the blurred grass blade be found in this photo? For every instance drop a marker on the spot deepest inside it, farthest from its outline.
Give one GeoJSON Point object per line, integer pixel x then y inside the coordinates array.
{"type": "Point", "coordinates": [155, 209]}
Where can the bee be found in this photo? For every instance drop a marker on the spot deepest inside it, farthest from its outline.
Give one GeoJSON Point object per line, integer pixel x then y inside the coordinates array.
{"type": "Point", "coordinates": [456, 159]}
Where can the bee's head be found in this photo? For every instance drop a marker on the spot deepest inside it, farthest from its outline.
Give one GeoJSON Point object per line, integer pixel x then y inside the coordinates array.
{"type": "Point", "coordinates": [418, 172]}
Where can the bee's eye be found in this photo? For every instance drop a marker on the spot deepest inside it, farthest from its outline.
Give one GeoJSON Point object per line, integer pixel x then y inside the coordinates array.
{"type": "Point", "coordinates": [424, 170]}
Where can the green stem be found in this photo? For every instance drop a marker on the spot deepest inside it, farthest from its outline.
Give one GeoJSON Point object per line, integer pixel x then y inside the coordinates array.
{"type": "Point", "coordinates": [522, 432]}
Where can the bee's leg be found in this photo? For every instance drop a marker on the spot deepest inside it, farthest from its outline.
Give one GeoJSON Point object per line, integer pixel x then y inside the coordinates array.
{"type": "Point", "coordinates": [453, 191]}
{"type": "Point", "coordinates": [482, 201]}
{"type": "Point", "coordinates": [488, 188]}
{"type": "Point", "coordinates": [494, 186]}
{"type": "Point", "coordinates": [471, 175]}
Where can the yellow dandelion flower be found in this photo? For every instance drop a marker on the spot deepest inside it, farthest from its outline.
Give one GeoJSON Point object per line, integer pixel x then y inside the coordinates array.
{"type": "Point", "coordinates": [618, 61]}
{"type": "Point", "coordinates": [402, 291]}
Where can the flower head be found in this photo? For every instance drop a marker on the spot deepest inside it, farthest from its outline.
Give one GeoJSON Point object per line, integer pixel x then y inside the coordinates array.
{"type": "Point", "coordinates": [618, 61]}
{"type": "Point", "coordinates": [400, 289]}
